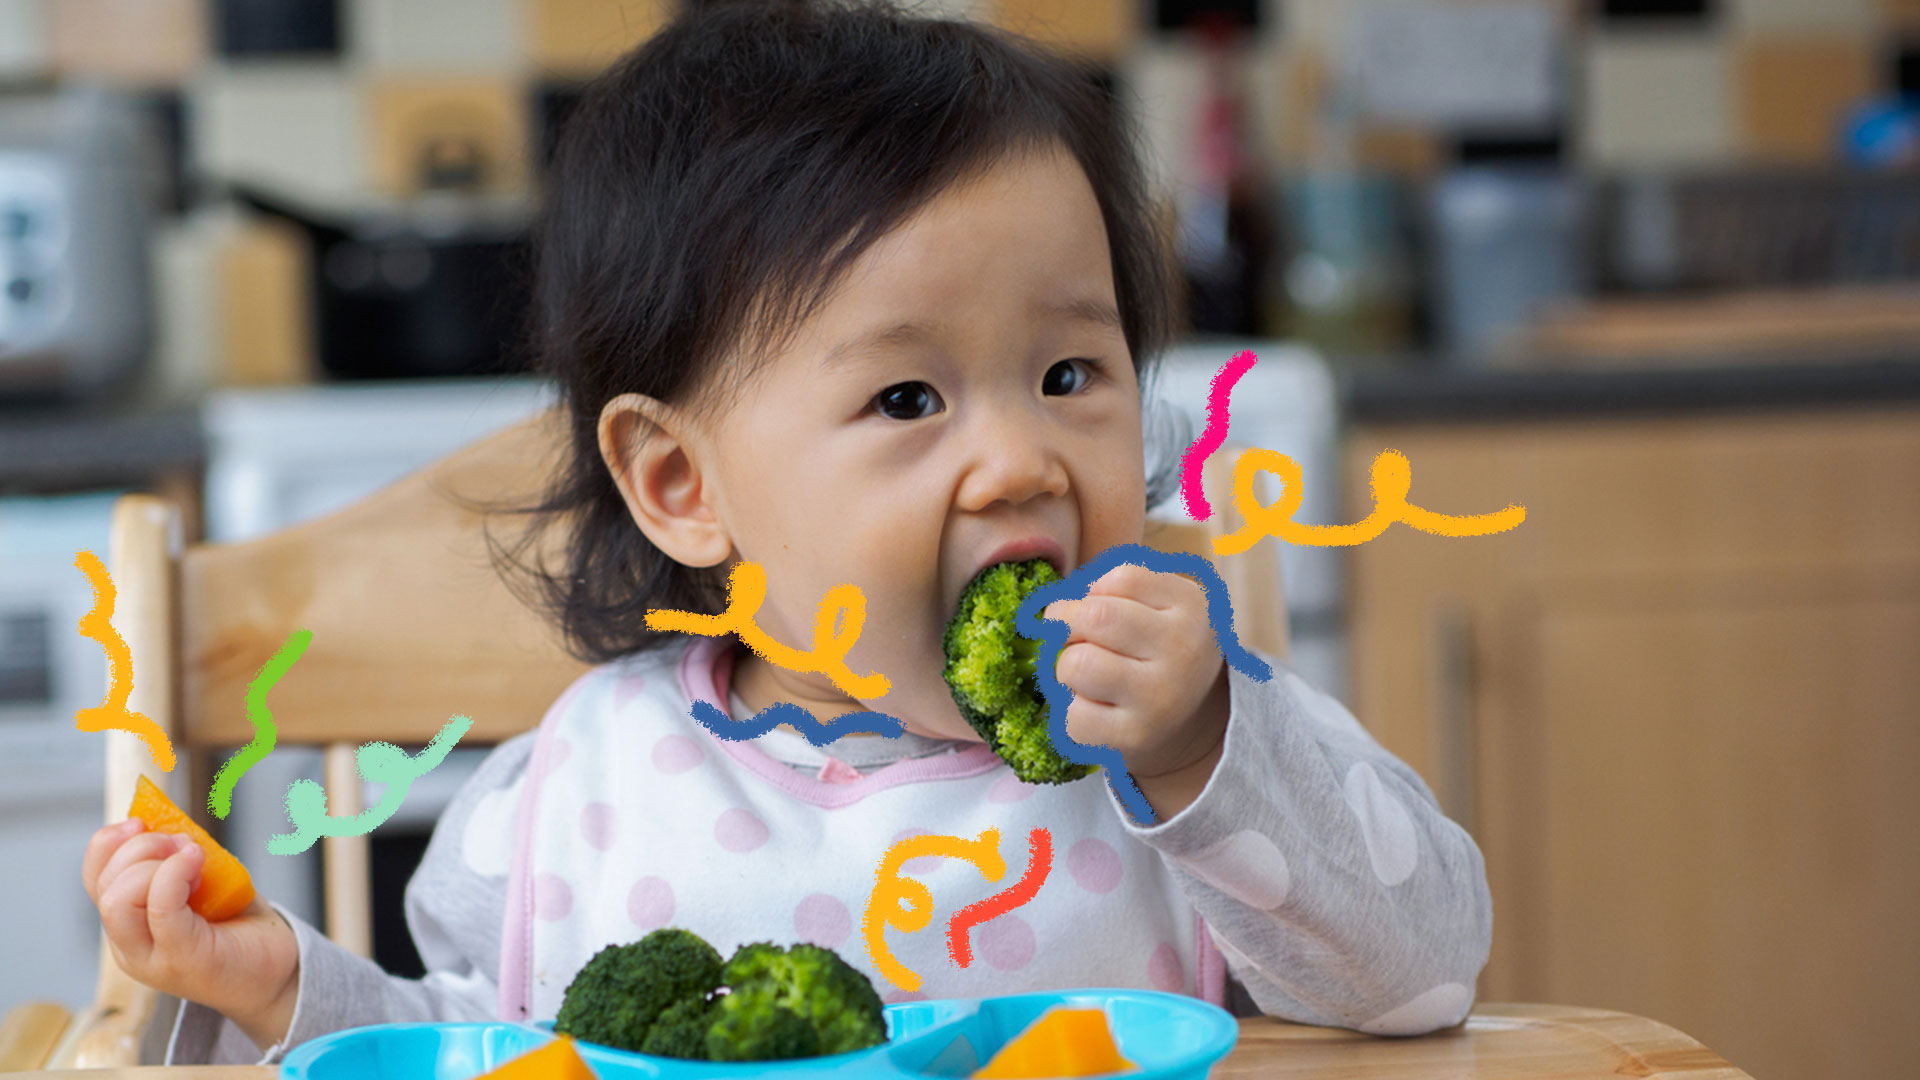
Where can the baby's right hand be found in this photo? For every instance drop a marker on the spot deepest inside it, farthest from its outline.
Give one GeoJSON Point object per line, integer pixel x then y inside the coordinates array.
{"type": "Point", "coordinates": [245, 967]}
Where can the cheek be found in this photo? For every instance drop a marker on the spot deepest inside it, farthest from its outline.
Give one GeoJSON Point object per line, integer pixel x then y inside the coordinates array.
{"type": "Point", "coordinates": [1118, 514]}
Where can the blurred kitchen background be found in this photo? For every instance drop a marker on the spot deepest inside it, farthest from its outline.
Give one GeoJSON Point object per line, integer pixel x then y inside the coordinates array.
{"type": "Point", "coordinates": [1650, 268]}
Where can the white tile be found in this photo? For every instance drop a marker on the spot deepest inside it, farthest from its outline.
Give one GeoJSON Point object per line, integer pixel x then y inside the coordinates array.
{"type": "Point", "coordinates": [185, 338]}
{"type": "Point", "coordinates": [437, 34]}
{"type": "Point", "coordinates": [1746, 15]}
{"type": "Point", "coordinates": [1166, 79]}
{"type": "Point", "coordinates": [23, 37]}
{"type": "Point", "coordinates": [297, 127]}
{"type": "Point", "coordinates": [1656, 99]}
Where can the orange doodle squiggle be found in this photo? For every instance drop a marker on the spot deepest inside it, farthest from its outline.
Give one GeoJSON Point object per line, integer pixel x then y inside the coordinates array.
{"type": "Point", "coordinates": [1391, 479]}
{"type": "Point", "coordinates": [112, 712]}
{"type": "Point", "coordinates": [747, 590]}
{"type": "Point", "coordinates": [909, 903]}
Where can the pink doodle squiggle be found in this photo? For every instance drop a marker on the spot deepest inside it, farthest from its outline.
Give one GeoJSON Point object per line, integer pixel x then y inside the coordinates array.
{"type": "Point", "coordinates": [1213, 436]}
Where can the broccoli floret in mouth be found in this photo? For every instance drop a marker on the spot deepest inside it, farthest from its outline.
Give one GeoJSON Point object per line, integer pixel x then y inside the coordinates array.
{"type": "Point", "coordinates": [669, 994]}
{"type": "Point", "coordinates": [990, 670]}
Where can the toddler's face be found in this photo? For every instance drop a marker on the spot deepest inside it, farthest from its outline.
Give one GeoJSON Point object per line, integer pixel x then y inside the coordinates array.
{"type": "Point", "coordinates": [967, 386]}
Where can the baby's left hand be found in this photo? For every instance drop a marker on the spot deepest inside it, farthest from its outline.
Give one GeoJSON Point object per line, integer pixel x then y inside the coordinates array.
{"type": "Point", "coordinates": [1146, 675]}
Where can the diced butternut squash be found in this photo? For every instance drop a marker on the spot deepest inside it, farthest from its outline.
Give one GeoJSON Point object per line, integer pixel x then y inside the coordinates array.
{"type": "Point", "coordinates": [557, 1060]}
{"type": "Point", "coordinates": [1063, 1042]}
{"type": "Point", "coordinates": [225, 887]}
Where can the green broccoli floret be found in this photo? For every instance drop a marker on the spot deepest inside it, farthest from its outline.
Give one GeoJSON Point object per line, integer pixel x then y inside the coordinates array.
{"type": "Point", "coordinates": [755, 1026]}
{"type": "Point", "coordinates": [991, 672]}
{"type": "Point", "coordinates": [681, 1031]}
{"type": "Point", "coordinates": [658, 996]}
{"type": "Point", "coordinates": [837, 1001]}
{"type": "Point", "coordinates": [618, 995]}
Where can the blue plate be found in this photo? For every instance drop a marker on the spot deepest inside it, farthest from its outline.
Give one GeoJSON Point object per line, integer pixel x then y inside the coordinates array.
{"type": "Point", "coordinates": [1169, 1036]}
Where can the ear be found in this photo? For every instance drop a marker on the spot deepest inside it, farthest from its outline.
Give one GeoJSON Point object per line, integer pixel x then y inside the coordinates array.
{"type": "Point", "coordinates": [656, 459]}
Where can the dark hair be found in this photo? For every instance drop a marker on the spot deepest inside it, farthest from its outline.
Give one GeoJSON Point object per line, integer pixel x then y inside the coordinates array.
{"type": "Point", "coordinates": [714, 184]}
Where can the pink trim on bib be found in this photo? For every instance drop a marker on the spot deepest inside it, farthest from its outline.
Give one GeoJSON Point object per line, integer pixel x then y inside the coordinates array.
{"type": "Point", "coordinates": [516, 932]}
{"type": "Point", "coordinates": [1210, 969]}
{"type": "Point", "coordinates": [706, 669]}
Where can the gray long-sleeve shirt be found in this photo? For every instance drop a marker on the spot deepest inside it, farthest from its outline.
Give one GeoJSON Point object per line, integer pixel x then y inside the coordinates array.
{"type": "Point", "coordinates": [1336, 889]}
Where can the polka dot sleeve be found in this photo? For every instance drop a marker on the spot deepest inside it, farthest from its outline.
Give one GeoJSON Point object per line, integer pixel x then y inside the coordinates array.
{"type": "Point", "coordinates": [1335, 887]}
{"type": "Point", "coordinates": [454, 905]}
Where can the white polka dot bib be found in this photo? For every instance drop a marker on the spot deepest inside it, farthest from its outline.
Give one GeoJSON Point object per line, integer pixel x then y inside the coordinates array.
{"type": "Point", "coordinates": [632, 816]}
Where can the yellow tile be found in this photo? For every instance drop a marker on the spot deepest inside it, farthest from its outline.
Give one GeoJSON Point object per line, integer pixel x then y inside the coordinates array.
{"type": "Point", "coordinates": [579, 37]}
{"type": "Point", "coordinates": [1102, 29]}
{"type": "Point", "coordinates": [1392, 149]}
{"type": "Point", "coordinates": [1902, 13]}
{"type": "Point", "coordinates": [1794, 89]}
{"type": "Point", "coordinates": [138, 42]}
{"type": "Point", "coordinates": [1289, 106]}
{"type": "Point", "coordinates": [411, 120]}
{"type": "Point", "coordinates": [265, 319]}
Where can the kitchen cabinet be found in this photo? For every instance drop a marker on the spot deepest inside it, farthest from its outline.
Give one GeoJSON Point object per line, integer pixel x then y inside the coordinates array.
{"type": "Point", "coordinates": [1678, 708]}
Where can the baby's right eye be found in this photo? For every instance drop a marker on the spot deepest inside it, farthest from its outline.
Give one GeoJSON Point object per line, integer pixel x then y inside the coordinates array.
{"type": "Point", "coordinates": [903, 401]}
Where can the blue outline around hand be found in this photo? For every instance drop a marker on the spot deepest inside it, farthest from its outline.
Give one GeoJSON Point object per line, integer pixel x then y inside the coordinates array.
{"type": "Point", "coordinates": [1052, 633]}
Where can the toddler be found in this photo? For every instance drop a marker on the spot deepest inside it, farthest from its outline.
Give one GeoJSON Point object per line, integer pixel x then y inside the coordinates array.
{"type": "Point", "coordinates": [863, 297]}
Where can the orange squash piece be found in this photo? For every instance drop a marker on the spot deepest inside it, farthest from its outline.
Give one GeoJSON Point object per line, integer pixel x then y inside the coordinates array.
{"type": "Point", "coordinates": [225, 887]}
{"type": "Point", "coordinates": [557, 1060]}
{"type": "Point", "coordinates": [1063, 1042]}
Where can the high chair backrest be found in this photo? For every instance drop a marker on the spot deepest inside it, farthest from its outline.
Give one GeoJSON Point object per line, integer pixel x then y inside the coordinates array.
{"type": "Point", "coordinates": [411, 625]}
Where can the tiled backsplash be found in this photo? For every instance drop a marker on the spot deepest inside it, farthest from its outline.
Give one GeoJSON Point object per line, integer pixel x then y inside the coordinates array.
{"type": "Point", "coordinates": [1761, 80]}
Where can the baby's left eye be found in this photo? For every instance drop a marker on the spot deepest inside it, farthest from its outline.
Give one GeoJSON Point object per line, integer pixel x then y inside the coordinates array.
{"type": "Point", "coordinates": [1051, 384]}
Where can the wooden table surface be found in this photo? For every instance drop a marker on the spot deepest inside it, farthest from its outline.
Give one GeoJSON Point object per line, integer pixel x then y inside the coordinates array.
{"type": "Point", "coordinates": [1537, 1042]}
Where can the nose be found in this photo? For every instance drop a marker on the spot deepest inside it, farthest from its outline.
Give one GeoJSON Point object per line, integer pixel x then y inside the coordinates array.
{"type": "Point", "coordinates": [1014, 457]}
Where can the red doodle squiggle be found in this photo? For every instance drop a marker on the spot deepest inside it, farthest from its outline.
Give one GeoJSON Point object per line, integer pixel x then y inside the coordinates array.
{"type": "Point", "coordinates": [1213, 436]}
{"type": "Point", "coordinates": [960, 927]}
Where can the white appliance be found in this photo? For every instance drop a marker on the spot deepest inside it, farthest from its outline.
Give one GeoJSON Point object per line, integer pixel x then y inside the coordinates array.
{"type": "Point", "coordinates": [1286, 402]}
{"type": "Point", "coordinates": [75, 303]}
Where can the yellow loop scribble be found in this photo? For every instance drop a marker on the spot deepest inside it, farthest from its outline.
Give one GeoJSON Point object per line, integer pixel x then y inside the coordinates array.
{"type": "Point", "coordinates": [909, 901]}
{"type": "Point", "coordinates": [1391, 480]}
{"type": "Point", "coordinates": [112, 712]}
{"type": "Point", "coordinates": [747, 590]}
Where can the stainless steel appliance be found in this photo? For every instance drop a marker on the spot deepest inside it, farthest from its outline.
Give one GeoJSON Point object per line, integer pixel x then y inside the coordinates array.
{"type": "Point", "coordinates": [75, 298]}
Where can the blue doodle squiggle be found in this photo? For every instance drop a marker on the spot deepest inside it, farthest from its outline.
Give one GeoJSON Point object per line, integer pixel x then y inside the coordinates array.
{"type": "Point", "coordinates": [1052, 633]}
{"type": "Point", "coordinates": [723, 726]}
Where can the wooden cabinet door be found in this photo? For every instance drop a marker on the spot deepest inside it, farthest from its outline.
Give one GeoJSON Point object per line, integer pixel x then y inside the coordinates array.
{"type": "Point", "coordinates": [1723, 826]}
{"type": "Point", "coordinates": [1679, 710]}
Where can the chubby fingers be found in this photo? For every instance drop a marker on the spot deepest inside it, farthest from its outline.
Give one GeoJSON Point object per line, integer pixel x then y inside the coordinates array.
{"type": "Point", "coordinates": [142, 848]}
{"type": "Point", "coordinates": [171, 924]}
{"type": "Point", "coordinates": [106, 840]}
{"type": "Point", "coordinates": [1119, 624]}
{"type": "Point", "coordinates": [123, 911]}
{"type": "Point", "coordinates": [1158, 589]}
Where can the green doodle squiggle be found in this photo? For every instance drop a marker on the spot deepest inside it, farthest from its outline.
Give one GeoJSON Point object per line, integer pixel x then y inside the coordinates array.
{"type": "Point", "coordinates": [265, 735]}
{"type": "Point", "coordinates": [379, 763]}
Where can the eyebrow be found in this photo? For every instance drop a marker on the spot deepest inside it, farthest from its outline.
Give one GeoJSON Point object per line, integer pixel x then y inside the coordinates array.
{"type": "Point", "coordinates": [1088, 310]}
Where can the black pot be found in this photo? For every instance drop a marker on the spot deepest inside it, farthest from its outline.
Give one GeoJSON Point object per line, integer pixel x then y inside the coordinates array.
{"type": "Point", "coordinates": [436, 288]}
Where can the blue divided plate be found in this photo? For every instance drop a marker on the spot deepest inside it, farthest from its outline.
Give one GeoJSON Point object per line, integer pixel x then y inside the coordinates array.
{"type": "Point", "coordinates": [1169, 1036]}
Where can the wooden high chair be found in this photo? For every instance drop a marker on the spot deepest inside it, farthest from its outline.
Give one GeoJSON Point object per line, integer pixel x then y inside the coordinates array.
{"type": "Point", "coordinates": [410, 625]}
